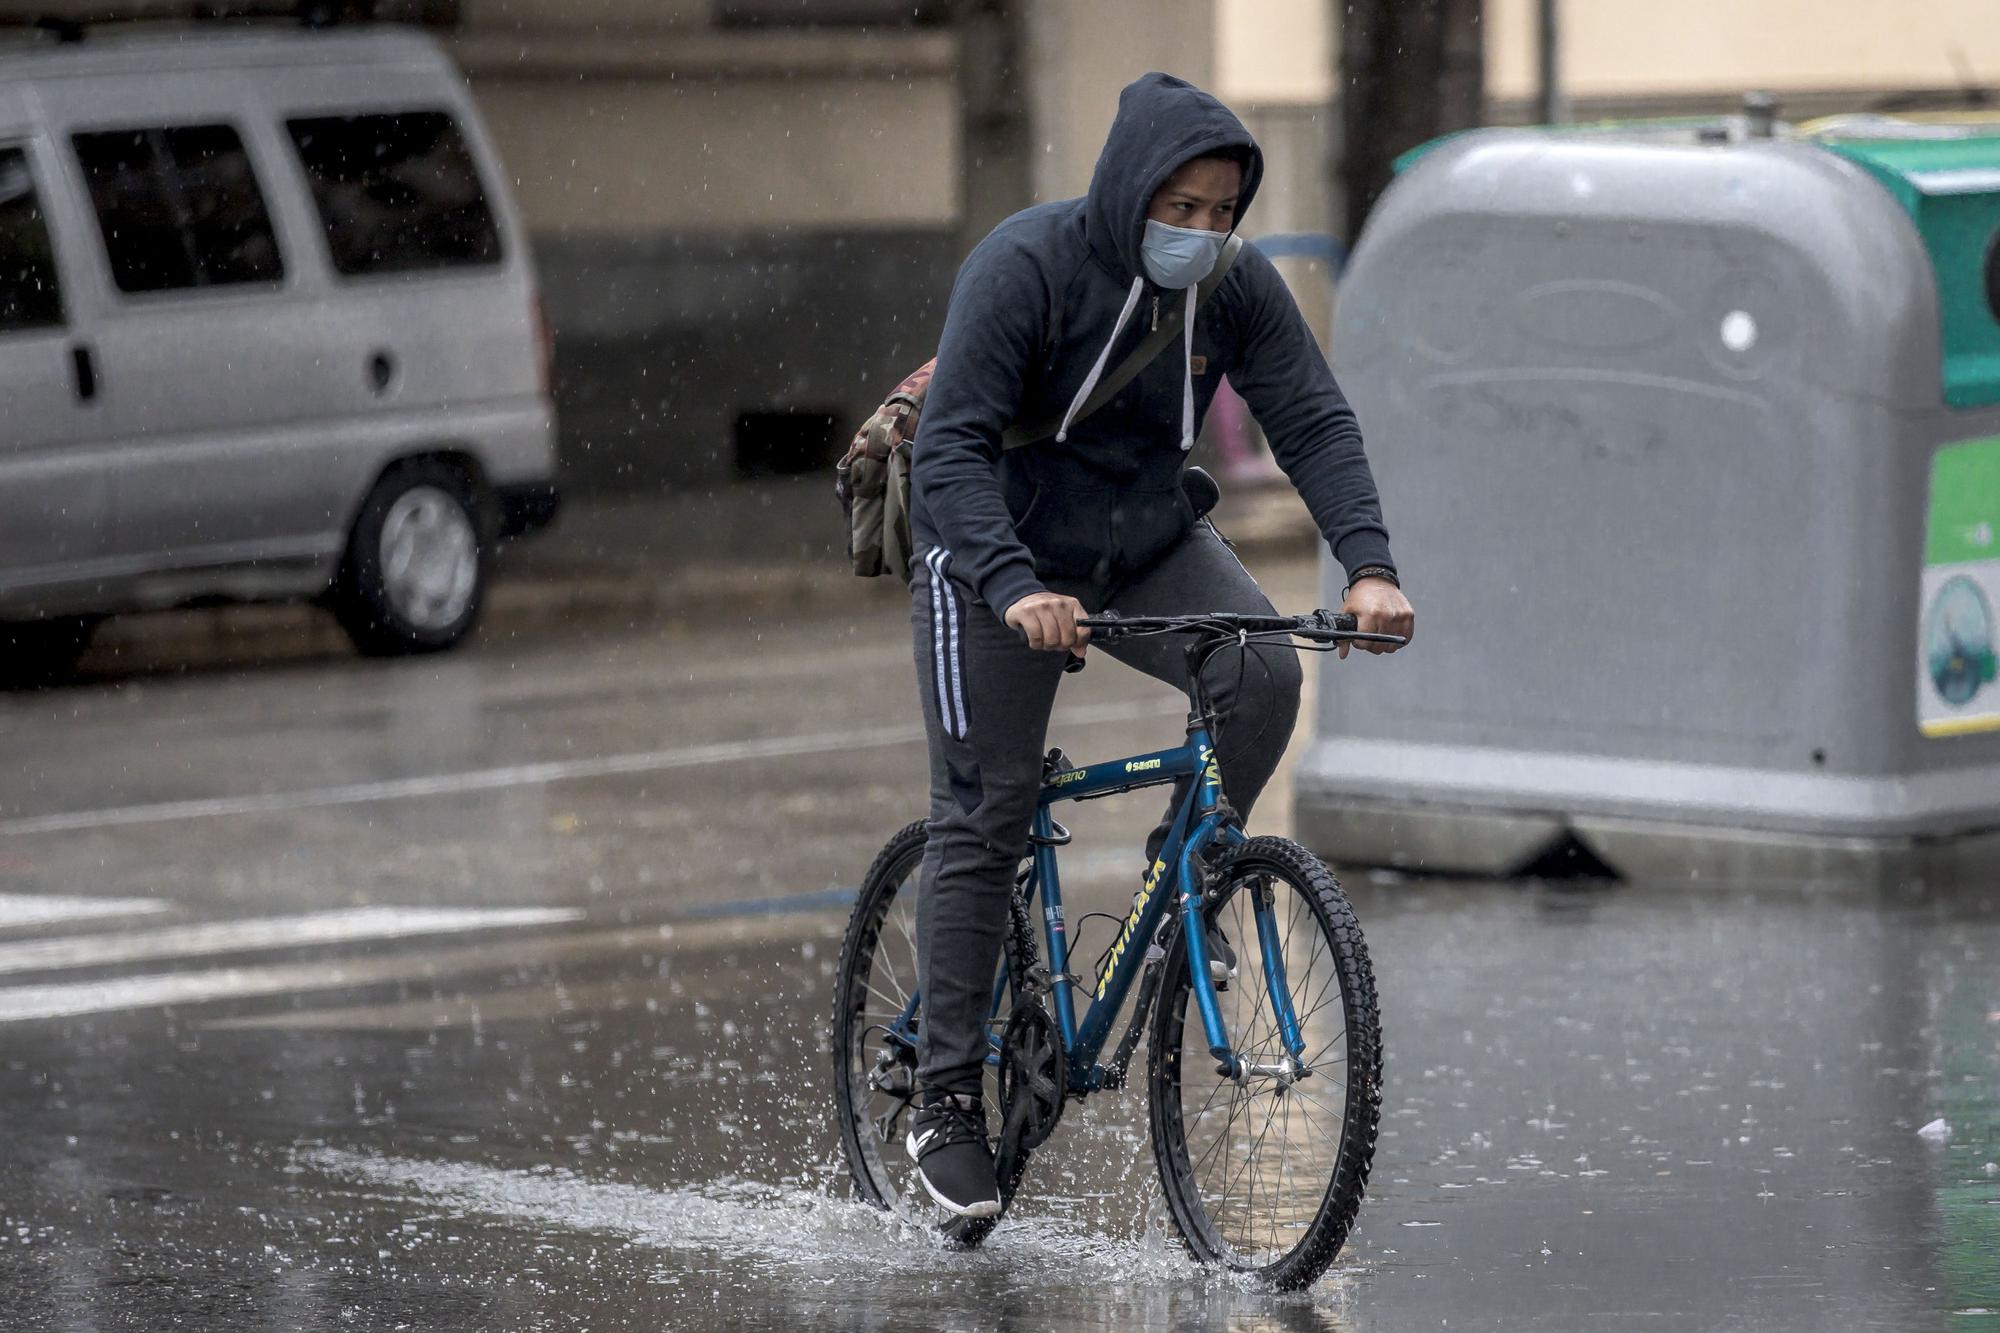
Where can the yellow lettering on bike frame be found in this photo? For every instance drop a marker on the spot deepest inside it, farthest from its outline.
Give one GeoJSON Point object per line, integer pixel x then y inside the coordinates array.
{"type": "Point", "coordinates": [1209, 771]}
{"type": "Point", "coordinates": [1153, 878]}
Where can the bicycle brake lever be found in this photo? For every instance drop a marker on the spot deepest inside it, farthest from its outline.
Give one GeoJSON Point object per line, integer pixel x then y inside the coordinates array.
{"type": "Point", "coordinates": [1334, 622]}
{"type": "Point", "coordinates": [1074, 665]}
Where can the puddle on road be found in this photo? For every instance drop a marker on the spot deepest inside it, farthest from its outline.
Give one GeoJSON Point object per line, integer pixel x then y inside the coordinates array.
{"type": "Point", "coordinates": [830, 1254]}
{"type": "Point", "coordinates": [1758, 1111]}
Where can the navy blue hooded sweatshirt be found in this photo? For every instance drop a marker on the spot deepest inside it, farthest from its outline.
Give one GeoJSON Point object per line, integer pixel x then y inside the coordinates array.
{"type": "Point", "coordinates": [1030, 313]}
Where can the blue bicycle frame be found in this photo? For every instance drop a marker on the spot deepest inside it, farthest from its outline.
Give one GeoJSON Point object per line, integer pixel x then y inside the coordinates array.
{"type": "Point", "coordinates": [1202, 820]}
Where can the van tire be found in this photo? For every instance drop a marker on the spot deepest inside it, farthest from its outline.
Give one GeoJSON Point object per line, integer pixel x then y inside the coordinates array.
{"type": "Point", "coordinates": [34, 653]}
{"type": "Point", "coordinates": [414, 575]}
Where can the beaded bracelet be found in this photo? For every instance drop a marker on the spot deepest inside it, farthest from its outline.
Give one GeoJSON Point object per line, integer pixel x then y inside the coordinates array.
{"type": "Point", "coordinates": [1372, 572]}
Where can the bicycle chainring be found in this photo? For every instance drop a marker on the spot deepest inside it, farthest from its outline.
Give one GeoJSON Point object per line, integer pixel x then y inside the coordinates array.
{"type": "Point", "coordinates": [1033, 1082]}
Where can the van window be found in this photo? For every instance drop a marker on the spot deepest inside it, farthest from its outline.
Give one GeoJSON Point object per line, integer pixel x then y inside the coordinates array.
{"type": "Point", "coordinates": [29, 298]}
{"type": "Point", "coordinates": [178, 208]}
{"type": "Point", "coordinates": [396, 193]}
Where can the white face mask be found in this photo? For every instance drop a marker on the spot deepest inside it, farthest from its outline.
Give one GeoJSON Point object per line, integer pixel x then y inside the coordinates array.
{"type": "Point", "coordinates": [1177, 257]}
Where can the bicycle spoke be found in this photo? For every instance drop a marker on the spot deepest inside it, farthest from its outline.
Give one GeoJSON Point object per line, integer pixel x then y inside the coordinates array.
{"type": "Point", "coordinates": [1315, 1000]}
{"type": "Point", "coordinates": [1224, 1139]}
{"type": "Point", "coordinates": [1212, 1095]}
{"type": "Point", "coordinates": [1284, 1160]}
{"type": "Point", "coordinates": [1194, 1168]}
{"type": "Point", "coordinates": [1222, 1135]}
{"type": "Point", "coordinates": [1341, 1035]}
{"type": "Point", "coordinates": [889, 972]}
{"type": "Point", "coordinates": [1338, 1117]}
{"type": "Point", "coordinates": [896, 1004]}
{"type": "Point", "coordinates": [1250, 1156]}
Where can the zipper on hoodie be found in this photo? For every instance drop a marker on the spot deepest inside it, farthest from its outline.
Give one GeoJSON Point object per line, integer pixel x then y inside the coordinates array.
{"type": "Point", "coordinates": [1156, 314]}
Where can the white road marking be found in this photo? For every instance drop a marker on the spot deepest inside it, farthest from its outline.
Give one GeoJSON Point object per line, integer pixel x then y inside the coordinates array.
{"type": "Point", "coordinates": [67, 999]}
{"type": "Point", "coordinates": [23, 1003]}
{"type": "Point", "coordinates": [531, 775]}
{"type": "Point", "coordinates": [34, 909]}
{"type": "Point", "coordinates": [270, 932]}
{"type": "Point", "coordinates": [529, 1002]}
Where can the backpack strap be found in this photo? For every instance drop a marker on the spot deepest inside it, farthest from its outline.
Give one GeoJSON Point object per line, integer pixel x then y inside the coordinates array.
{"type": "Point", "coordinates": [1169, 331]}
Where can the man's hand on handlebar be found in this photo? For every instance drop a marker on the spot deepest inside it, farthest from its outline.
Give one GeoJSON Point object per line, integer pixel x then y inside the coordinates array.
{"type": "Point", "coordinates": [1379, 607]}
{"type": "Point", "coordinates": [1049, 620]}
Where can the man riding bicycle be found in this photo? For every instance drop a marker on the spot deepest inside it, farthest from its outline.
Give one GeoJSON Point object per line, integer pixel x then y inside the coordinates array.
{"type": "Point", "coordinates": [1014, 548]}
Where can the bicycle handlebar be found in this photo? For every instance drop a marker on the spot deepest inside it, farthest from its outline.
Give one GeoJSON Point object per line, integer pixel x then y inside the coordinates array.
{"type": "Point", "coordinates": [1321, 626]}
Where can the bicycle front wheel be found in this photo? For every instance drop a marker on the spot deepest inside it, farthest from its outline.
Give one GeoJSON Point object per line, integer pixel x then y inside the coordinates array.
{"type": "Point", "coordinates": [1264, 1174]}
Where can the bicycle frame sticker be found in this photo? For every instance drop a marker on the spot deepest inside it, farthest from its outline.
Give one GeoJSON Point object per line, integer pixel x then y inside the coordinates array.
{"type": "Point", "coordinates": [1120, 775]}
{"type": "Point", "coordinates": [1139, 905]}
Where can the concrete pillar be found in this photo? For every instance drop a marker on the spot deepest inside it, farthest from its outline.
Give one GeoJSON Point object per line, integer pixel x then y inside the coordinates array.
{"type": "Point", "coordinates": [996, 149]}
{"type": "Point", "coordinates": [1080, 55]}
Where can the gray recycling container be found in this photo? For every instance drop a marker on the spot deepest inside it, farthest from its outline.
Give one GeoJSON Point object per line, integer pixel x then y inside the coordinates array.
{"type": "Point", "coordinates": [1691, 456]}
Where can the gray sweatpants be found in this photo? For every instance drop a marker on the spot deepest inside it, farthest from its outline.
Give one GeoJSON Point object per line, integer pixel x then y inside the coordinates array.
{"type": "Point", "coordinates": [987, 698]}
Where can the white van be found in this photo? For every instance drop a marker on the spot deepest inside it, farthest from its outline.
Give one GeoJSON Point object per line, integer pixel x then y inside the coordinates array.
{"type": "Point", "coordinates": [268, 329]}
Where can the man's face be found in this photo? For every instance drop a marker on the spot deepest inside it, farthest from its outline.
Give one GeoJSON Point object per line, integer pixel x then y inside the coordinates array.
{"type": "Point", "coordinates": [1201, 195]}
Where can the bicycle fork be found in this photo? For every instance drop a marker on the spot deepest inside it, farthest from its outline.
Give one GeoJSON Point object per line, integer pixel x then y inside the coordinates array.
{"type": "Point", "coordinates": [1194, 929]}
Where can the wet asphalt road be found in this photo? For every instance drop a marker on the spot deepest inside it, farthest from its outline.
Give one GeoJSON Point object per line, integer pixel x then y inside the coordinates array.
{"type": "Point", "coordinates": [486, 993]}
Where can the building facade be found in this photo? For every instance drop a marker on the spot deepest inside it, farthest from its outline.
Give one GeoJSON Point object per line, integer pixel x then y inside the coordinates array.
{"type": "Point", "coordinates": [747, 213]}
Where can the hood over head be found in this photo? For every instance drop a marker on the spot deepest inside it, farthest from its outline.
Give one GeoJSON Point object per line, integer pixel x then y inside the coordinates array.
{"type": "Point", "coordinates": [1161, 123]}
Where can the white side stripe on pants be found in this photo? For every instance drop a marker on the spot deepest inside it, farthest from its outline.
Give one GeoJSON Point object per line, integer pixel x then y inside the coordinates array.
{"type": "Point", "coordinates": [944, 646]}
{"type": "Point", "coordinates": [957, 658]}
{"type": "Point", "coordinates": [937, 641]}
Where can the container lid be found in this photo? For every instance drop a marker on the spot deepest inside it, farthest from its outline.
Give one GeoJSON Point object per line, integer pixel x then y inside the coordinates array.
{"type": "Point", "coordinates": [1946, 176]}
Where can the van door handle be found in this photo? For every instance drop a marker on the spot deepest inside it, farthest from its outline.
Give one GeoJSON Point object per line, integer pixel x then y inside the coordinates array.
{"type": "Point", "coordinates": [86, 372]}
{"type": "Point", "coordinates": [381, 370]}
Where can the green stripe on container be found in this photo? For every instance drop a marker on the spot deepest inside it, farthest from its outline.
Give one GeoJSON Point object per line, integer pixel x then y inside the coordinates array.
{"type": "Point", "coordinates": [1965, 503]}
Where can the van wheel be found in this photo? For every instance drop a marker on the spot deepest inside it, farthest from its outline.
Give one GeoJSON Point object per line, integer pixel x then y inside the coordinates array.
{"type": "Point", "coordinates": [42, 652]}
{"type": "Point", "coordinates": [416, 565]}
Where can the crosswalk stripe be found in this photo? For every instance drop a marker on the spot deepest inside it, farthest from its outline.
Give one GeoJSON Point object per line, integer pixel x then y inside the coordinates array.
{"type": "Point", "coordinates": [69, 999]}
{"type": "Point", "coordinates": [19, 910]}
{"type": "Point", "coordinates": [315, 928]}
{"type": "Point", "coordinates": [538, 1002]}
{"type": "Point", "coordinates": [152, 990]}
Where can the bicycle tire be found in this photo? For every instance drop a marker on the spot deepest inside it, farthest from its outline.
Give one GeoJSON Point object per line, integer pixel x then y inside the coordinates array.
{"type": "Point", "coordinates": [894, 865]}
{"type": "Point", "coordinates": [1179, 1062]}
{"type": "Point", "coordinates": [875, 1174]}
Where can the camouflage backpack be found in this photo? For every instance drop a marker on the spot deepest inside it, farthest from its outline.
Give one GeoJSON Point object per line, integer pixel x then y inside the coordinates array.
{"type": "Point", "coordinates": [873, 479]}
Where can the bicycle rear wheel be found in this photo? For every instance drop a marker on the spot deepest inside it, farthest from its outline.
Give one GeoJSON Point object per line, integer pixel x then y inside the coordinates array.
{"type": "Point", "coordinates": [1265, 1175]}
{"type": "Point", "coordinates": [874, 1036]}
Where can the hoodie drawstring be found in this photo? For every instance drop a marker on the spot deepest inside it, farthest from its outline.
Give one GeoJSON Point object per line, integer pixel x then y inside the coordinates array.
{"type": "Point", "coordinates": [1187, 366]}
{"type": "Point", "coordinates": [1187, 371]}
{"type": "Point", "coordinates": [1097, 371]}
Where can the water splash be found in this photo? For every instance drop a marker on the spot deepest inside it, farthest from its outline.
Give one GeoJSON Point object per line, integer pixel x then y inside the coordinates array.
{"type": "Point", "coordinates": [791, 1226]}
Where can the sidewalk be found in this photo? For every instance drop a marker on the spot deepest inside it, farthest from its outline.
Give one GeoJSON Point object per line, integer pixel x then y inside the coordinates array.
{"type": "Point", "coordinates": [744, 549]}
{"type": "Point", "coordinates": [782, 538]}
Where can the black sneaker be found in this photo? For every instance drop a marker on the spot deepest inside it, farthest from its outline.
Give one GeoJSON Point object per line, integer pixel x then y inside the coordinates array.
{"type": "Point", "coordinates": [955, 1162]}
{"type": "Point", "coordinates": [1221, 958]}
